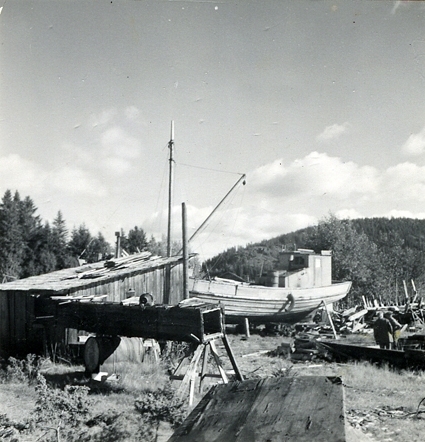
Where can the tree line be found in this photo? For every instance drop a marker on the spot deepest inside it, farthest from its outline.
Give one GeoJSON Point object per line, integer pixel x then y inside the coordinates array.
{"type": "Point", "coordinates": [29, 246]}
{"type": "Point", "coordinates": [376, 254]}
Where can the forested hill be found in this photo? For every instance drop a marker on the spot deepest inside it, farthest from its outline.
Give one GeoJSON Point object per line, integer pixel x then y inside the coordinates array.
{"type": "Point", "coordinates": [376, 254]}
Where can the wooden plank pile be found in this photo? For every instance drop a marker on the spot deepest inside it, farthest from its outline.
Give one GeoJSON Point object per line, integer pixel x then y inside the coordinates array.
{"type": "Point", "coordinates": [301, 348]}
{"type": "Point", "coordinates": [301, 408]}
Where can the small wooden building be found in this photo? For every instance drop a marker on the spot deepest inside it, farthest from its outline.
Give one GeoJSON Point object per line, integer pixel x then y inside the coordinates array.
{"type": "Point", "coordinates": [113, 281]}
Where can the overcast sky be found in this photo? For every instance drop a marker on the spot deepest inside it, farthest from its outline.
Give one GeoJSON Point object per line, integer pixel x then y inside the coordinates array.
{"type": "Point", "coordinates": [320, 103]}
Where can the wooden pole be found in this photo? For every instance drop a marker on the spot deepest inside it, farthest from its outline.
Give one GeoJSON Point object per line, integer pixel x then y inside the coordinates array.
{"type": "Point", "coordinates": [185, 254]}
{"type": "Point", "coordinates": [330, 319]}
{"type": "Point", "coordinates": [246, 326]}
{"type": "Point", "coordinates": [170, 188]}
{"type": "Point", "coordinates": [167, 279]}
{"type": "Point", "coordinates": [118, 245]}
{"type": "Point", "coordinates": [238, 373]}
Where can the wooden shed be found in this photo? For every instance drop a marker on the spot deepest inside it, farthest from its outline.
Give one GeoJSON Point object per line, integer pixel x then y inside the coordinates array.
{"type": "Point", "coordinates": [112, 281]}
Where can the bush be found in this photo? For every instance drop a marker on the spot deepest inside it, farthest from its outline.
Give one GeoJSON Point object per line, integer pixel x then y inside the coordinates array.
{"type": "Point", "coordinates": [22, 370]}
{"type": "Point", "coordinates": [113, 426]}
{"type": "Point", "coordinates": [161, 406]}
{"type": "Point", "coordinates": [62, 411]}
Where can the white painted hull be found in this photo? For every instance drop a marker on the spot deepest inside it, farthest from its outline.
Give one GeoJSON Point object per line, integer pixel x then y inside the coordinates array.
{"type": "Point", "coordinates": [263, 304]}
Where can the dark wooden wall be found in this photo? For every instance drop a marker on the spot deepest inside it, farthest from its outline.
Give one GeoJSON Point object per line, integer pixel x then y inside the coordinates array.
{"type": "Point", "coordinates": [19, 337]}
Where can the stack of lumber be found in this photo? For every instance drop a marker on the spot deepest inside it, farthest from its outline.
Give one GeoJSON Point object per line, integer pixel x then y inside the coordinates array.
{"type": "Point", "coordinates": [353, 320]}
{"type": "Point", "coordinates": [117, 264]}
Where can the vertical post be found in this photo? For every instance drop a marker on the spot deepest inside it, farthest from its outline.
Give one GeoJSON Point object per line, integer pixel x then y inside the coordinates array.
{"type": "Point", "coordinates": [185, 254]}
{"type": "Point", "coordinates": [167, 282]}
{"type": "Point", "coordinates": [170, 188]}
{"type": "Point", "coordinates": [330, 319]}
{"type": "Point", "coordinates": [246, 326]}
{"type": "Point", "coordinates": [118, 245]}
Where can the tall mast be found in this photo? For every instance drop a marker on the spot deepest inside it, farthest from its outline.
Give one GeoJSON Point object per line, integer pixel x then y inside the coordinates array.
{"type": "Point", "coordinates": [170, 187]}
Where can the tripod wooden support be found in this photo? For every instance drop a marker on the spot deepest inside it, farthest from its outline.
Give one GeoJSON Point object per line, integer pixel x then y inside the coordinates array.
{"type": "Point", "coordinates": [203, 350]}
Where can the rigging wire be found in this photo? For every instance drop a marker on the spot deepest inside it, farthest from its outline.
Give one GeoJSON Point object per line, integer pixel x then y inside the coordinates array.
{"type": "Point", "coordinates": [160, 198]}
{"type": "Point", "coordinates": [218, 222]}
{"type": "Point", "coordinates": [210, 169]}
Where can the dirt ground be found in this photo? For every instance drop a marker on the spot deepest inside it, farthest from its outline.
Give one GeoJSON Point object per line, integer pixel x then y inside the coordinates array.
{"type": "Point", "coordinates": [254, 361]}
{"type": "Point", "coordinates": [16, 402]}
{"type": "Point", "coordinates": [371, 422]}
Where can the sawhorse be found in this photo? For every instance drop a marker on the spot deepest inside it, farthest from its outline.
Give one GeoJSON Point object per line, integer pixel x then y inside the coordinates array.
{"type": "Point", "coordinates": [203, 350]}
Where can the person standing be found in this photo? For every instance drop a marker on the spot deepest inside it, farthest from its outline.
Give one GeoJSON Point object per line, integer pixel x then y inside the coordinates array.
{"type": "Point", "coordinates": [396, 328]}
{"type": "Point", "coordinates": [383, 331]}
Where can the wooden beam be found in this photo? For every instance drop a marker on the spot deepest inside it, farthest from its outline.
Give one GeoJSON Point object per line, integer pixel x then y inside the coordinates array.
{"type": "Point", "coordinates": [330, 320]}
{"type": "Point", "coordinates": [186, 324]}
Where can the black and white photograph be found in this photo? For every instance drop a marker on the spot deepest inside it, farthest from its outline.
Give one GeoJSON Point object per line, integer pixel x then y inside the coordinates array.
{"type": "Point", "coordinates": [212, 220]}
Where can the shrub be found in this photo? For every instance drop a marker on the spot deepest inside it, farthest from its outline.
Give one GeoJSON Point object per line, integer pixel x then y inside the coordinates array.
{"type": "Point", "coordinates": [161, 405]}
{"type": "Point", "coordinates": [23, 370]}
{"type": "Point", "coordinates": [111, 426]}
{"type": "Point", "coordinates": [10, 430]}
{"type": "Point", "coordinates": [62, 411]}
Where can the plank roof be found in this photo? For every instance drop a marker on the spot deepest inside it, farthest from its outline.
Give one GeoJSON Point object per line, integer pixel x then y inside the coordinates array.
{"type": "Point", "coordinates": [62, 281]}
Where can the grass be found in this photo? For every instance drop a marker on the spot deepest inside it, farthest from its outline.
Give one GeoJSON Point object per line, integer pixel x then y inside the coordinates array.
{"type": "Point", "coordinates": [66, 405]}
{"type": "Point", "coordinates": [380, 403]}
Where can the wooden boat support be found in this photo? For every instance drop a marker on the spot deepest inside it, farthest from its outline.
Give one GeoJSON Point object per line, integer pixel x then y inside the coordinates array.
{"type": "Point", "coordinates": [198, 323]}
{"type": "Point", "coordinates": [190, 321]}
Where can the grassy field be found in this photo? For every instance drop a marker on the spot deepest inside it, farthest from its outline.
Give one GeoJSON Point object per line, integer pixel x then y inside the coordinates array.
{"type": "Point", "coordinates": [52, 402]}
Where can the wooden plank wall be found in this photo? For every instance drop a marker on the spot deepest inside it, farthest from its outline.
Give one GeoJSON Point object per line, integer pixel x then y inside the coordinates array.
{"type": "Point", "coordinates": [16, 318]}
{"type": "Point", "coordinates": [4, 325]}
{"type": "Point", "coordinates": [150, 282]}
{"type": "Point", "coordinates": [16, 307]}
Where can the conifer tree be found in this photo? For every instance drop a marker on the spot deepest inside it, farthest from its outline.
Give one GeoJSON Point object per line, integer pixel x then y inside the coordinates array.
{"type": "Point", "coordinates": [59, 235]}
{"type": "Point", "coordinates": [12, 247]}
{"type": "Point", "coordinates": [136, 241]}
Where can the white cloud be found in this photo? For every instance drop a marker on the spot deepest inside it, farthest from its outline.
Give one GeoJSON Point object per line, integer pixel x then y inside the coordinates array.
{"type": "Point", "coordinates": [120, 144]}
{"type": "Point", "coordinates": [316, 174]}
{"type": "Point", "coordinates": [103, 118]}
{"type": "Point", "coordinates": [281, 198]}
{"type": "Point", "coordinates": [75, 181]}
{"type": "Point", "coordinates": [332, 132]}
{"type": "Point", "coordinates": [33, 179]}
{"type": "Point", "coordinates": [415, 144]}
{"type": "Point", "coordinates": [347, 214]}
{"type": "Point", "coordinates": [404, 183]}
{"type": "Point", "coordinates": [18, 173]}
{"type": "Point", "coordinates": [132, 113]}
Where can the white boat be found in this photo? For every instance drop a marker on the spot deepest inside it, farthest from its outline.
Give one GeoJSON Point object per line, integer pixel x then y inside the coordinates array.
{"type": "Point", "coordinates": [302, 281]}
{"type": "Point", "coordinates": [301, 284]}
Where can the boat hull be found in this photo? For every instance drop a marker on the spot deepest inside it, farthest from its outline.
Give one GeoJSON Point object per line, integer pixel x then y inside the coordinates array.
{"type": "Point", "coordinates": [395, 358]}
{"type": "Point", "coordinates": [262, 304]}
